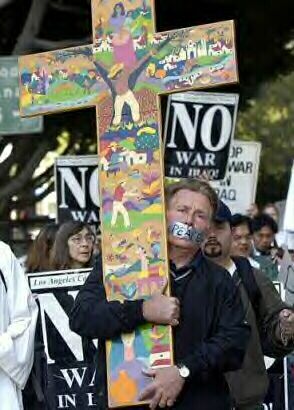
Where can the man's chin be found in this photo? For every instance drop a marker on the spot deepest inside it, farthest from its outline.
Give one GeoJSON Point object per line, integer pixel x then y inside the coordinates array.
{"type": "Point", "coordinates": [212, 253]}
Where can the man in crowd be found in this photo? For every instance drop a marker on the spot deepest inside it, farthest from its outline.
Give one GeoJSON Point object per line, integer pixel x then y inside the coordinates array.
{"type": "Point", "coordinates": [272, 323]}
{"type": "Point", "coordinates": [18, 317]}
{"type": "Point", "coordinates": [264, 229]}
{"type": "Point", "coordinates": [205, 310]}
{"type": "Point", "coordinates": [242, 238]}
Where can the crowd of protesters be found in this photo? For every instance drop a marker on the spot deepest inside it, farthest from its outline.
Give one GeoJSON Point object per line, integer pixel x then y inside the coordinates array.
{"type": "Point", "coordinates": [224, 309]}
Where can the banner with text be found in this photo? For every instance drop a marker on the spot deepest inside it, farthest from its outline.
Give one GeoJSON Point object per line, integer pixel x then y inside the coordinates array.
{"type": "Point", "coordinates": [70, 358]}
{"type": "Point", "coordinates": [199, 128]}
{"type": "Point", "coordinates": [238, 188]}
{"type": "Point", "coordinates": [76, 186]}
{"type": "Point", "coordinates": [10, 121]}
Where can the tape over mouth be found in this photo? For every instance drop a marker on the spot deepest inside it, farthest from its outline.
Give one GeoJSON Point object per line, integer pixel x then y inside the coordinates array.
{"type": "Point", "coordinates": [184, 231]}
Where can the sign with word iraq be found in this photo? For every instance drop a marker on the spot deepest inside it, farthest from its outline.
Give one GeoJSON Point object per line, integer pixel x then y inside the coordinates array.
{"type": "Point", "coordinates": [76, 186]}
{"type": "Point", "coordinates": [70, 358]}
{"type": "Point", "coordinates": [199, 129]}
{"type": "Point", "coordinates": [238, 188]}
{"type": "Point", "coordinates": [10, 121]}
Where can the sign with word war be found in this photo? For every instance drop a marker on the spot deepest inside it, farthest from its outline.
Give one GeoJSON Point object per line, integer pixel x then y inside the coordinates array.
{"type": "Point", "coordinates": [199, 129]}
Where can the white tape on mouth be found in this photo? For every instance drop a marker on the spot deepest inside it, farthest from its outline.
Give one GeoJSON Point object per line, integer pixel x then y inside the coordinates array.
{"type": "Point", "coordinates": [183, 231]}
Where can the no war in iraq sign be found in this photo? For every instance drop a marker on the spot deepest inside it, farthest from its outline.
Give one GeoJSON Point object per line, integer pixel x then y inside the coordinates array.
{"type": "Point", "coordinates": [199, 130]}
{"type": "Point", "coordinates": [238, 188]}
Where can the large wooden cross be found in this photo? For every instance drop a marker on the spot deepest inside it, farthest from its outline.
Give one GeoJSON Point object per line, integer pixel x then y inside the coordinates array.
{"type": "Point", "coordinates": [122, 74]}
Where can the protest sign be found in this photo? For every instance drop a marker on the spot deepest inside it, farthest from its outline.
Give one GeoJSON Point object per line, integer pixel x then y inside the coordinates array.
{"type": "Point", "coordinates": [199, 129]}
{"type": "Point", "coordinates": [70, 359]}
{"type": "Point", "coordinates": [76, 186]}
{"type": "Point", "coordinates": [238, 188]}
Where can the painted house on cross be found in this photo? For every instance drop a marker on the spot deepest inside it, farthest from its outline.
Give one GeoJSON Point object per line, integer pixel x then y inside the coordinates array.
{"type": "Point", "coordinates": [219, 48]}
{"type": "Point", "coordinates": [191, 50]}
{"type": "Point", "coordinates": [202, 50]}
{"type": "Point", "coordinates": [134, 158]}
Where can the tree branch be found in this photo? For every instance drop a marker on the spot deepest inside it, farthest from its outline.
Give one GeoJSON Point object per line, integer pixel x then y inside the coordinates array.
{"type": "Point", "coordinates": [4, 3]}
{"type": "Point", "coordinates": [31, 200]}
{"type": "Point", "coordinates": [16, 185]}
{"type": "Point", "coordinates": [42, 44]}
{"type": "Point", "coordinates": [68, 8]}
{"type": "Point", "coordinates": [31, 27]}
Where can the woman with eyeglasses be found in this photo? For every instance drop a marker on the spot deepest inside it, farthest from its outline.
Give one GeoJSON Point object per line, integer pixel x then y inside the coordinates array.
{"type": "Point", "coordinates": [73, 247]}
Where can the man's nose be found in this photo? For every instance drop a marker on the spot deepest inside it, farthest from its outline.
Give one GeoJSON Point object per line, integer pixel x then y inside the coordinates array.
{"type": "Point", "coordinates": [189, 218]}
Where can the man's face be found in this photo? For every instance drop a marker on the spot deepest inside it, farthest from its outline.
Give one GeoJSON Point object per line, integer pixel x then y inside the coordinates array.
{"type": "Point", "coordinates": [241, 241]}
{"type": "Point", "coordinates": [263, 239]}
{"type": "Point", "coordinates": [190, 208]}
{"type": "Point", "coordinates": [218, 243]}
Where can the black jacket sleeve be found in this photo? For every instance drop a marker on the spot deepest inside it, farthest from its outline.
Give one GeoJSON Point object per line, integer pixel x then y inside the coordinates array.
{"type": "Point", "coordinates": [225, 347]}
{"type": "Point", "coordinates": [267, 317]}
{"type": "Point", "coordinates": [94, 317]}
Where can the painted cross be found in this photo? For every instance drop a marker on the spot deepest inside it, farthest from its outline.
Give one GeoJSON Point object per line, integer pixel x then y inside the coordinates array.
{"type": "Point", "coordinates": [122, 75]}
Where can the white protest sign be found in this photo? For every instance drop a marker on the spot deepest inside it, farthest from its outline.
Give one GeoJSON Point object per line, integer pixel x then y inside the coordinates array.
{"type": "Point", "coordinates": [238, 188]}
{"type": "Point", "coordinates": [289, 210]}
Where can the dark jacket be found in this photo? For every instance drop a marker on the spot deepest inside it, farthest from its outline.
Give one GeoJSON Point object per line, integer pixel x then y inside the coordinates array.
{"type": "Point", "coordinates": [249, 385]}
{"type": "Point", "coordinates": [210, 339]}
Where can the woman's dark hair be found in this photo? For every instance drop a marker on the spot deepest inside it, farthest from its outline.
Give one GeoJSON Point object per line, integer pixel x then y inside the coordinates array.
{"type": "Point", "coordinates": [60, 258]}
{"type": "Point", "coordinates": [239, 219]}
{"type": "Point", "coordinates": [38, 259]}
{"type": "Point", "coordinates": [122, 9]}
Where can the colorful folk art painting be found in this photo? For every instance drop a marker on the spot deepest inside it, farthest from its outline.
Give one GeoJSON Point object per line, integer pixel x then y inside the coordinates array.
{"type": "Point", "coordinates": [122, 74]}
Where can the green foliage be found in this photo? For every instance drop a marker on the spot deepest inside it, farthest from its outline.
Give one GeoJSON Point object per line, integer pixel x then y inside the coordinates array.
{"type": "Point", "coordinates": [269, 119]}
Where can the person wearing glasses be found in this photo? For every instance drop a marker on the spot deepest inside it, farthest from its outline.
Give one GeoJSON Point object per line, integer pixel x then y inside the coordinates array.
{"type": "Point", "coordinates": [73, 249]}
{"type": "Point", "coordinates": [73, 246]}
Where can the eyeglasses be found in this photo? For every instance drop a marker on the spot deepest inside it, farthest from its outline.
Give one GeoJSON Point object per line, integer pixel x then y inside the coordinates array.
{"type": "Point", "coordinates": [78, 239]}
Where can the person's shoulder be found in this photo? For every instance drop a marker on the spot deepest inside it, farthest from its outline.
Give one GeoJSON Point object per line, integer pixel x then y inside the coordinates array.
{"type": "Point", "coordinates": [5, 247]}
{"type": "Point", "coordinates": [6, 252]}
{"type": "Point", "coordinates": [218, 273]}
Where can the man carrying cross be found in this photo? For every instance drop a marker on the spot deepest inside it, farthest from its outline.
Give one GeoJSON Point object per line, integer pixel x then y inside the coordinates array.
{"type": "Point", "coordinates": [113, 74]}
{"type": "Point", "coordinates": [210, 334]}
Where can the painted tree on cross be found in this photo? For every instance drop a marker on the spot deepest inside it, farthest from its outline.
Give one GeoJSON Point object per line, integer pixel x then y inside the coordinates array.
{"type": "Point", "coordinates": [122, 74]}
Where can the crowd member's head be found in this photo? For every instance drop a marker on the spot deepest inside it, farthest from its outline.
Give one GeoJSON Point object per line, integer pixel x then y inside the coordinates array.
{"type": "Point", "coordinates": [38, 259]}
{"type": "Point", "coordinates": [73, 246]}
{"type": "Point", "coordinates": [191, 205]}
{"type": "Point", "coordinates": [264, 229]}
{"type": "Point", "coordinates": [241, 235]}
{"type": "Point", "coordinates": [217, 245]}
{"type": "Point", "coordinates": [252, 211]}
{"type": "Point", "coordinates": [272, 211]}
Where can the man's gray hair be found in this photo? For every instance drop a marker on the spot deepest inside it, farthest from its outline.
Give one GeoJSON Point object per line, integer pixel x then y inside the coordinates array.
{"type": "Point", "coordinates": [194, 185]}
